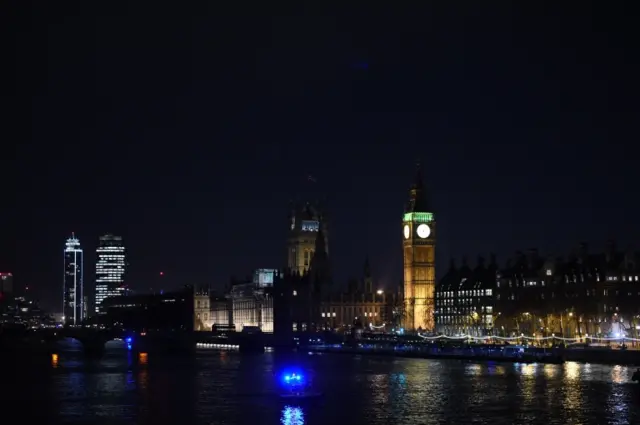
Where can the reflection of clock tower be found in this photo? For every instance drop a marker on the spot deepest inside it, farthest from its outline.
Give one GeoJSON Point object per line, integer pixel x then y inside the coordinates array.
{"type": "Point", "coordinates": [419, 247]}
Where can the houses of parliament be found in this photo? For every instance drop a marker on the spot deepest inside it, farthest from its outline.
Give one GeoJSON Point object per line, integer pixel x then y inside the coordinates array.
{"type": "Point", "coordinates": [582, 293]}
{"type": "Point", "coordinates": [304, 296]}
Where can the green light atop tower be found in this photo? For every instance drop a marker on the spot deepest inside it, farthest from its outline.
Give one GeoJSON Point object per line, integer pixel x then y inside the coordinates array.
{"type": "Point", "coordinates": [418, 217]}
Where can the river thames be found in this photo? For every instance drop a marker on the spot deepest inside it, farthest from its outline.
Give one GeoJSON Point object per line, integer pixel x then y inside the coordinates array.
{"type": "Point", "coordinates": [225, 387]}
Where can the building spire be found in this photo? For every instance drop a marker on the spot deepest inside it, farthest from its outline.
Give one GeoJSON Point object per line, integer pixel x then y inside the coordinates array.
{"type": "Point", "coordinates": [418, 201]}
{"type": "Point", "coordinates": [320, 247]}
{"type": "Point", "coordinates": [367, 280]}
{"type": "Point", "coordinates": [319, 268]}
{"type": "Point", "coordinates": [367, 267]}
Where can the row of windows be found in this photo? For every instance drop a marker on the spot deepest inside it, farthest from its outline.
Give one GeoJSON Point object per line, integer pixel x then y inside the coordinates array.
{"type": "Point", "coordinates": [624, 278]}
{"type": "Point", "coordinates": [487, 320]}
{"type": "Point", "coordinates": [588, 293]}
{"type": "Point", "coordinates": [573, 279]}
{"type": "Point", "coordinates": [333, 314]}
{"type": "Point", "coordinates": [466, 293]}
{"type": "Point", "coordinates": [483, 309]}
{"type": "Point", "coordinates": [460, 301]}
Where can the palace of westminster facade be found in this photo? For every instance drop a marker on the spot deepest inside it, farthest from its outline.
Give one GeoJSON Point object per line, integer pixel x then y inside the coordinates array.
{"type": "Point", "coordinates": [595, 294]}
{"type": "Point", "coordinates": [303, 296]}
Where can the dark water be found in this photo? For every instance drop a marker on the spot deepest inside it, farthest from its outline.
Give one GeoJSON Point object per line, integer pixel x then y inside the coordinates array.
{"type": "Point", "coordinates": [221, 387]}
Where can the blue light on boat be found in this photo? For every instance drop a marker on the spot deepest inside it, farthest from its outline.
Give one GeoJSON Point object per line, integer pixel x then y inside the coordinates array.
{"type": "Point", "coordinates": [129, 340]}
{"type": "Point", "coordinates": [293, 378]}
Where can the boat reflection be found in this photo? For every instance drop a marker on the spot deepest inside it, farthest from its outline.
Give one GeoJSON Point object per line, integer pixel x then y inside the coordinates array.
{"type": "Point", "coordinates": [292, 415]}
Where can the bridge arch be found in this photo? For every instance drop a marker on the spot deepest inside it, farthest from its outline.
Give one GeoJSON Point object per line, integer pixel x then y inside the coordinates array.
{"type": "Point", "coordinates": [92, 342]}
{"type": "Point", "coordinates": [73, 341]}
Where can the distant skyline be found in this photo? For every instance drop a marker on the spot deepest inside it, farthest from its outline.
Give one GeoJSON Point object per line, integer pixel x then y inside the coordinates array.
{"type": "Point", "coordinates": [189, 139]}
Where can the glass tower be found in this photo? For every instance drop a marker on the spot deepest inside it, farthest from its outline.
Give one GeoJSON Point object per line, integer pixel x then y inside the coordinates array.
{"type": "Point", "coordinates": [110, 268]}
{"type": "Point", "coordinates": [73, 297]}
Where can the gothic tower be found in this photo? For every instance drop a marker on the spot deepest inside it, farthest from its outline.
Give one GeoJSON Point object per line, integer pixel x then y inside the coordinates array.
{"type": "Point", "coordinates": [304, 228]}
{"type": "Point", "coordinates": [367, 280]}
{"type": "Point", "coordinates": [419, 252]}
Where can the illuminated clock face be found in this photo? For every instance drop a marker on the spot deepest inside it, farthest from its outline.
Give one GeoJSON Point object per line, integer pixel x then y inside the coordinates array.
{"type": "Point", "coordinates": [423, 231]}
{"type": "Point", "coordinates": [406, 231]}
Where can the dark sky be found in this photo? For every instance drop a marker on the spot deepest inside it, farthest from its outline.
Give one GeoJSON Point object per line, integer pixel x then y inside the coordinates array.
{"type": "Point", "coordinates": [187, 132]}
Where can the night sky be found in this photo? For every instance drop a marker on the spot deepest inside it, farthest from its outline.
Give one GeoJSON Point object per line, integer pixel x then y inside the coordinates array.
{"type": "Point", "coordinates": [188, 132]}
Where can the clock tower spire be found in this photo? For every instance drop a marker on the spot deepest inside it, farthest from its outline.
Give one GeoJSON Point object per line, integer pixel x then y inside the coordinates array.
{"type": "Point", "coordinates": [418, 195]}
{"type": "Point", "coordinates": [419, 245]}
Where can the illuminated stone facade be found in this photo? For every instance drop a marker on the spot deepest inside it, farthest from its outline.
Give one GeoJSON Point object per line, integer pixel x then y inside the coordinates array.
{"type": "Point", "coordinates": [252, 305]}
{"type": "Point", "coordinates": [373, 311]}
{"type": "Point", "coordinates": [362, 305]}
{"type": "Point", "coordinates": [203, 319]}
{"type": "Point", "coordinates": [221, 312]}
{"type": "Point", "coordinates": [245, 304]}
{"type": "Point", "coordinates": [419, 252]}
{"type": "Point", "coordinates": [305, 221]}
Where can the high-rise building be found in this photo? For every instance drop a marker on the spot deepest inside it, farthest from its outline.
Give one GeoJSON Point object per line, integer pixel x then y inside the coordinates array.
{"type": "Point", "coordinates": [419, 248]}
{"type": "Point", "coordinates": [73, 289]}
{"type": "Point", "coordinates": [110, 269]}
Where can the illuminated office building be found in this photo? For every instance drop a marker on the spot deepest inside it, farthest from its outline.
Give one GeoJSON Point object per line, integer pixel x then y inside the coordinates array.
{"type": "Point", "coordinates": [110, 268]}
{"type": "Point", "coordinates": [73, 291]}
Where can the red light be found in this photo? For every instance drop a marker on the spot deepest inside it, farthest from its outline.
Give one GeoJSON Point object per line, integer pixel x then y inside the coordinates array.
{"type": "Point", "coordinates": [161, 273]}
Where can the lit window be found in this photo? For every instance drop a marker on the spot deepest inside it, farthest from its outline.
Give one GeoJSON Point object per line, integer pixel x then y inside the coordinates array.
{"type": "Point", "coordinates": [322, 314]}
{"type": "Point", "coordinates": [334, 314]}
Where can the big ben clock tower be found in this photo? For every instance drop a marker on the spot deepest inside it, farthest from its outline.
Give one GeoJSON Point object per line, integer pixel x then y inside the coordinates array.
{"type": "Point", "coordinates": [419, 248]}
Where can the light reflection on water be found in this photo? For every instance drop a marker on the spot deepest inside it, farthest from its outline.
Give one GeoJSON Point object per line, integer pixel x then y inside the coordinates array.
{"type": "Point", "coordinates": [227, 387]}
{"type": "Point", "coordinates": [572, 371]}
{"type": "Point", "coordinates": [550, 371]}
{"type": "Point", "coordinates": [292, 415]}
